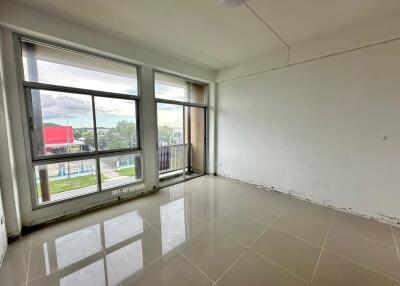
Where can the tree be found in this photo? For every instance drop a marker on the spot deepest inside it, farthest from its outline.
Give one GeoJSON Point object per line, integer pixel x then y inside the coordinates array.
{"type": "Point", "coordinates": [50, 124]}
{"type": "Point", "coordinates": [123, 135]}
{"type": "Point", "coordinates": [89, 137]}
{"type": "Point", "coordinates": [165, 135]}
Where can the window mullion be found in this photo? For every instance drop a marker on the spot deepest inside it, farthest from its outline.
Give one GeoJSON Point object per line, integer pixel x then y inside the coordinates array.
{"type": "Point", "coordinates": [96, 144]}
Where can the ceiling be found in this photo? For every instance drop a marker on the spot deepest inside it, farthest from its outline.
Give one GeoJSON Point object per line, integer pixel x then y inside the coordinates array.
{"type": "Point", "coordinates": [205, 33]}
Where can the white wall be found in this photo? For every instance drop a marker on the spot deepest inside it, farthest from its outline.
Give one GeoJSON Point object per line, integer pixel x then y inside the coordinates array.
{"type": "Point", "coordinates": [325, 45]}
{"type": "Point", "coordinates": [3, 233]}
{"type": "Point", "coordinates": [8, 169]}
{"type": "Point", "coordinates": [327, 130]}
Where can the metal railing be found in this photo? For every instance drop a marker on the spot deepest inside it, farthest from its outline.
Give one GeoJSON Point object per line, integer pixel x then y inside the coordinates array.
{"type": "Point", "coordinates": [171, 158]}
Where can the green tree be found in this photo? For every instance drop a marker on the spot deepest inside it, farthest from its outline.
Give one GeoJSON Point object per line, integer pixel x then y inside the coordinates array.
{"type": "Point", "coordinates": [50, 124]}
{"type": "Point", "coordinates": [165, 135]}
{"type": "Point", "coordinates": [88, 135]}
{"type": "Point", "coordinates": [123, 135]}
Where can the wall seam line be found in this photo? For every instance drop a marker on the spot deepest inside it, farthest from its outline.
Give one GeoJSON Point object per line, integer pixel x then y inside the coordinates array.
{"type": "Point", "coordinates": [370, 45]}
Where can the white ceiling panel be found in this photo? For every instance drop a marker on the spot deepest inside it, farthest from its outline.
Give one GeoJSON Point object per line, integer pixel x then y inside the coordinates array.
{"type": "Point", "coordinates": [297, 21]}
{"type": "Point", "coordinates": [200, 31]}
{"type": "Point", "coordinates": [209, 35]}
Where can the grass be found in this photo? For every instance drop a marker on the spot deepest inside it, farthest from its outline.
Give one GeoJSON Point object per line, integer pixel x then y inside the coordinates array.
{"type": "Point", "coordinates": [130, 171]}
{"type": "Point", "coordinates": [59, 186]}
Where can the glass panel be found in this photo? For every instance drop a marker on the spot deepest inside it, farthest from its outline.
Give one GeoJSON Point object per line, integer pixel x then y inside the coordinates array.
{"type": "Point", "coordinates": [59, 181]}
{"type": "Point", "coordinates": [172, 88]}
{"type": "Point", "coordinates": [170, 141]}
{"type": "Point", "coordinates": [167, 87]}
{"type": "Point", "coordinates": [194, 140]}
{"type": "Point", "coordinates": [60, 67]}
{"type": "Point", "coordinates": [120, 170]}
{"type": "Point", "coordinates": [63, 122]}
{"type": "Point", "coordinates": [116, 123]}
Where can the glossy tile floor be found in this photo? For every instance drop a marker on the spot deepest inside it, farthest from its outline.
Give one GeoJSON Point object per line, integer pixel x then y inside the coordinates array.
{"type": "Point", "coordinates": [208, 231]}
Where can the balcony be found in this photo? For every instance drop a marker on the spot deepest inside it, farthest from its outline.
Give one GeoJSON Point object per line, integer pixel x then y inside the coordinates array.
{"type": "Point", "coordinates": [171, 161]}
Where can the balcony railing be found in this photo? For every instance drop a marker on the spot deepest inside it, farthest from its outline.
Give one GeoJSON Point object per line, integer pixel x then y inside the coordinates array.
{"type": "Point", "coordinates": [171, 158]}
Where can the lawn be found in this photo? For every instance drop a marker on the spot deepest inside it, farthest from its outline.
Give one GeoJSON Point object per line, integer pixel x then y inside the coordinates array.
{"type": "Point", "coordinates": [130, 171]}
{"type": "Point", "coordinates": [58, 186]}
{"type": "Point", "coordinates": [74, 183]}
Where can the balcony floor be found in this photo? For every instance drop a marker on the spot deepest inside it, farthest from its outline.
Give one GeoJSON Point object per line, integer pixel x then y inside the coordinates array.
{"type": "Point", "coordinates": [208, 231]}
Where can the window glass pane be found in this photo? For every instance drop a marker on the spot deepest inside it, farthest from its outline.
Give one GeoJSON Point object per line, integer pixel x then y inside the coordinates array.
{"type": "Point", "coordinates": [64, 180]}
{"type": "Point", "coordinates": [120, 170]}
{"type": "Point", "coordinates": [173, 88]}
{"type": "Point", "coordinates": [116, 123]}
{"type": "Point", "coordinates": [59, 67]}
{"type": "Point", "coordinates": [167, 87]}
{"type": "Point", "coordinates": [63, 122]}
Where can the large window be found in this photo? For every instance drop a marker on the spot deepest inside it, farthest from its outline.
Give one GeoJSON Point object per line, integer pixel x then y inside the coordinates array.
{"type": "Point", "coordinates": [181, 114]}
{"type": "Point", "coordinates": [83, 122]}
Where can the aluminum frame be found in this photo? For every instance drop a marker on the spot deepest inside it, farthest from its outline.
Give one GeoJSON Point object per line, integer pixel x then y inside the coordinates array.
{"type": "Point", "coordinates": [26, 112]}
{"type": "Point", "coordinates": [38, 157]}
{"type": "Point", "coordinates": [184, 104]}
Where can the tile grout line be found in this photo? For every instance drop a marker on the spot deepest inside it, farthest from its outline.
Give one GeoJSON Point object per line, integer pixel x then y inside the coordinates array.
{"type": "Point", "coordinates": [323, 246]}
{"type": "Point", "coordinates": [278, 265]}
{"type": "Point", "coordinates": [248, 247]}
{"type": "Point", "coordinates": [363, 237]}
{"type": "Point", "coordinates": [195, 265]}
{"type": "Point", "coordinates": [29, 262]}
{"type": "Point", "coordinates": [362, 265]}
{"type": "Point", "coordinates": [181, 253]}
{"type": "Point", "coordinates": [337, 254]}
{"type": "Point", "coordinates": [395, 243]}
{"type": "Point", "coordinates": [230, 267]}
{"type": "Point", "coordinates": [271, 223]}
{"type": "Point", "coordinates": [297, 237]}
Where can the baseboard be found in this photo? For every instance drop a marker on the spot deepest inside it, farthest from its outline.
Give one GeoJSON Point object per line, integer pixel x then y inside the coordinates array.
{"type": "Point", "coordinates": [380, 218]}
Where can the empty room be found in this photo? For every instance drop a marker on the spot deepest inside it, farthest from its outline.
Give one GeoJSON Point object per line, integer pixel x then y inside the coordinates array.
{"type": "Point", "coordinates": [200, 142]}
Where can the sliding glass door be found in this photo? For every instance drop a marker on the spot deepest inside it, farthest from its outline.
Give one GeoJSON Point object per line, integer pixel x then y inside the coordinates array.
{"type": "Point", "coordinates": [171, 147]}
{"type": "Point", "coordinates": [181, 113]}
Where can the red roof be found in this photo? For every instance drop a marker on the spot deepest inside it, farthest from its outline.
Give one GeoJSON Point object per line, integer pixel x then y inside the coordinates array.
{"type": "Point", "coordinates": [58, 135]}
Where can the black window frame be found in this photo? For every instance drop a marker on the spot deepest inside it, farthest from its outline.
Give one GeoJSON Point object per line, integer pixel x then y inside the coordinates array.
{"type": "Point", "coordinates": [36, 160]}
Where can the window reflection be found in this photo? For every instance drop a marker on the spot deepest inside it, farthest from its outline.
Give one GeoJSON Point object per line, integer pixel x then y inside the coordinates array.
{"type": "Point", "coordinates": [173, 225]}
{"type": "Point", "coordinates": [110, 252]}
{"type": "Point", "coordinates": [91, 275]}
{"type": "Point", "coordinates": [78, 245]}
{"type": "Point", "coordinates": [122, 227]}
{"type": "Point", "coordinates": [124, 262]}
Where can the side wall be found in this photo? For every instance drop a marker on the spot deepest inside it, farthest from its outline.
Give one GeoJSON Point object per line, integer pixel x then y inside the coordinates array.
{"type": "Point", "coordinates": [327, 130]}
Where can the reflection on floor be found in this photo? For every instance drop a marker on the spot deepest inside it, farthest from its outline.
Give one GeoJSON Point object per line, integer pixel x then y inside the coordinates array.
{"type": "Point", "coordinates": [175, 177]}
{"type": "Point", "coordinates": [208, 231]}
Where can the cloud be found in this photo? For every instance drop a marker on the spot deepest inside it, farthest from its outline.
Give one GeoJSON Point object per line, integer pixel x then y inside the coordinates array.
{"type": "Point", "coordinates": [64, 105]}
{"type": "Point", "coordinates": [114, 106]}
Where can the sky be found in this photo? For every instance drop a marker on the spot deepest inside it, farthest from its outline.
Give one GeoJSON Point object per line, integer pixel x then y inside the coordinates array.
{"type": "Point", "coordinates": [76, 109]}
